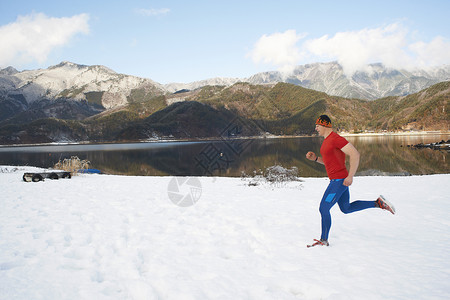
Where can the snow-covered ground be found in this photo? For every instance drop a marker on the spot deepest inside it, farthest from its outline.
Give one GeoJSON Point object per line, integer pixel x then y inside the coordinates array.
{"type": "Point", "coordinates": [118, 237]}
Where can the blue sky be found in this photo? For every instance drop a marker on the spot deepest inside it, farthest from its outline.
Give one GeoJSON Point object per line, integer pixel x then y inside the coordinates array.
{"type": "Point", "coordinates": [185, 41]}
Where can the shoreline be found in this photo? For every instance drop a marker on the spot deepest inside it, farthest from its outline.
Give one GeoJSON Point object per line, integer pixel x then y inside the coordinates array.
{"type": "Point", "coordinates": [406, 133]}
{"type": "Point", "coordinates": [213, 139]}
{"type": "Point", "coordinates": [7, 169]}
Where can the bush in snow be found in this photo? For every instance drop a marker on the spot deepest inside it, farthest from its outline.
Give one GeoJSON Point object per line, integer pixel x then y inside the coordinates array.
{"type": "Point", "coordinates": [274, 175]}
{"type": "Point", "coordinates": [72, 165]}
{"type": "Point", "coordinates": [8, 170]}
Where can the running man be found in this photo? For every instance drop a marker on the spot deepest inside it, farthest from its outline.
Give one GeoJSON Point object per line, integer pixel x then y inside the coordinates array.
{"type": "Point", "coordinates": [333, 150]}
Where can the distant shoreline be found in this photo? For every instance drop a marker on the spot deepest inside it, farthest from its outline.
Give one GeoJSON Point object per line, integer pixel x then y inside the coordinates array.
{"type": "Point", "coordinates": [407, 133]}
{"type": "Point", "coordinates": [213, 139]}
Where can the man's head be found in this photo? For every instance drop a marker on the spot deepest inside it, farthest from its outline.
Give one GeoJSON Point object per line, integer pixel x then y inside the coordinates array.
{"type": "Point", "coordinates": [323, 125]}
{"type": "Point", "coordinates": [324, 120]}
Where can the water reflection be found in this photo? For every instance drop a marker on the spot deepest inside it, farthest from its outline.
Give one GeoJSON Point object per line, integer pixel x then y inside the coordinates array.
{"type": "Point", "coordinates": [380, 155]}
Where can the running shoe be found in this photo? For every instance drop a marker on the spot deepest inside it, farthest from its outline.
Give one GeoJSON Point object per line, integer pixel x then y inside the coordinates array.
{"type": "Point", "coordinates": [384, 204]}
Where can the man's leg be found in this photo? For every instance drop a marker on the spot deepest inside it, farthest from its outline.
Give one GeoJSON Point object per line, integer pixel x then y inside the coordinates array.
{"type": "Point", "coordinates": [333, 192]}
{"type": "Point", "coordinates": [347, 207]}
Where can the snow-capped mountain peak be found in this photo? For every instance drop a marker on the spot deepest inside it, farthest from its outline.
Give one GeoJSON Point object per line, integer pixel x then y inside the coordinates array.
{"type": "Point", "coordinates": [70, 80]}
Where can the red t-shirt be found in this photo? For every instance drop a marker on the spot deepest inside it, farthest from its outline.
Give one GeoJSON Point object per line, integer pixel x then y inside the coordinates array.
{"type": "Point", "coordinates": [333, 157]}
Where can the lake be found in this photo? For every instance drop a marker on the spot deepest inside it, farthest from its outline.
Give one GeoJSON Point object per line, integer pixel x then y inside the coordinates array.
{"type": "Point", "coordinates": [380, 155]}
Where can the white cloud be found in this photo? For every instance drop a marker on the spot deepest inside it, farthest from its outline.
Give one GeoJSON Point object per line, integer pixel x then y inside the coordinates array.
{"type": "Point", "coordinates": [150, 12]}
{"type": "Point", "coordinates": [392, 45]}
{"type": "Point", "coordinates": [32, 37]}
{"type": "Point", "coordinates": [278, 49]}
{"type": "Point", "coordinates": [355, 49]}
{"type": "Point", "coordinates": [434, 53]}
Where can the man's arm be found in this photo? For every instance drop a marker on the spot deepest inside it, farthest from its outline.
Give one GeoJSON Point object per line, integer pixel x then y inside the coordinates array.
{"type": "Point", "coordinates": [351, 151]}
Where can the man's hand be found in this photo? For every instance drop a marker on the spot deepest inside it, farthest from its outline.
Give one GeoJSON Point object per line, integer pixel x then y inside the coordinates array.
{"type": "Point", "coordinates": [348, 181]}
{"type": "Point", "coordinates": [311, 155]}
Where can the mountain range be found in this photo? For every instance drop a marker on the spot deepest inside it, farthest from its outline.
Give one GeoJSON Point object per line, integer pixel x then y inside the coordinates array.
{"type": "Point", "coordinates": [94, 83]}
{"type": "Point", "coordinates": [374, 83]}
{"type": "Point", "coordinates": [72, 102]}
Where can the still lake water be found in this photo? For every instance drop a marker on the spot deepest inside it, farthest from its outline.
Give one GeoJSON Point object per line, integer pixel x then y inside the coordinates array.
{"type": "Point", "coordinates": [380, 155]}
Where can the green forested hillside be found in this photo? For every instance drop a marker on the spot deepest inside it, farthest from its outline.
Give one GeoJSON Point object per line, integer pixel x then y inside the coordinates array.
{"type": "Point", "coordinates": [251, 110]}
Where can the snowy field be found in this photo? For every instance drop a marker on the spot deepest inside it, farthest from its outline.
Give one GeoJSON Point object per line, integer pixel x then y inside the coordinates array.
{"type": "Point", "coordinates": [118, 237]}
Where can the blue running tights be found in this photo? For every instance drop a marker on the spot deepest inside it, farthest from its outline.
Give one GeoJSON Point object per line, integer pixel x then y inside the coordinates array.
{"type": "Point", "coordinates": [337, 192]}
